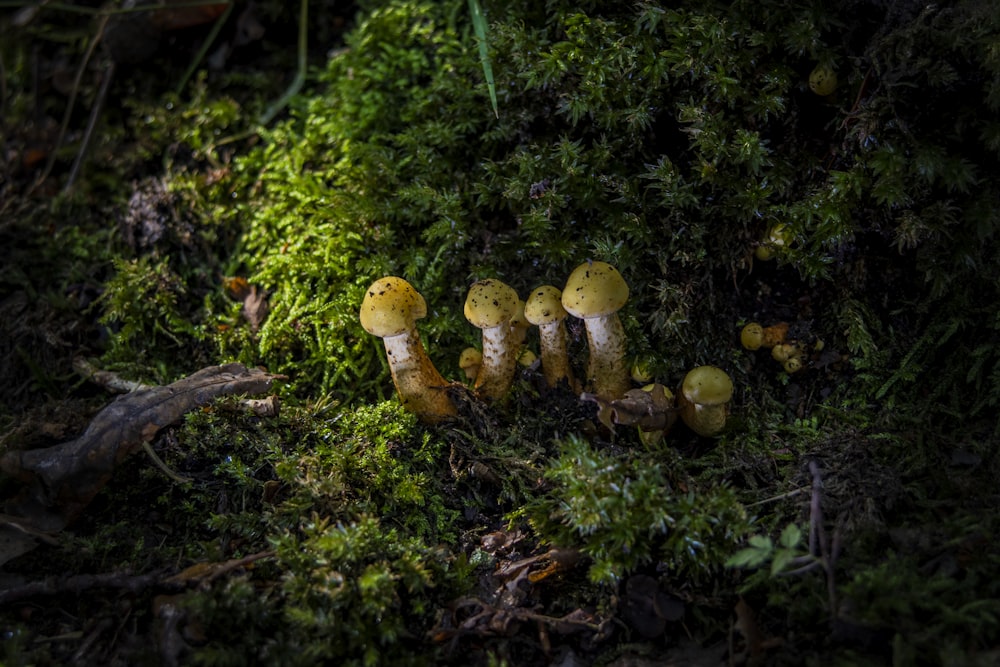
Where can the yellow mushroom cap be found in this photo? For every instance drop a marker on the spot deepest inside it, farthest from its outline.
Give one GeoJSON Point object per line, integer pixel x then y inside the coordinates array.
{"type": "Point", "coordinates": [469, 361]}
{"type": "Point", "coordinates": [752, 336]}
{"type": "Point", "coordinates": [594, 289]}
{"type": "Point", "coordinates": [390, 307]}
{"type": "Point", "coordinates": [823, 80]}
{"type": "Point", "coordinates": [490, 303]}
{"type": "Point", "coordinates": [544, 306]}
{"type": "Point", "coordinates": [707, 385]}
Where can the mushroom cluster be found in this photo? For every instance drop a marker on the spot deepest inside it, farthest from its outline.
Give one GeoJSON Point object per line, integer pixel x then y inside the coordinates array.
{"type": "Point", "coordinates": [791, 353]}
{"type": "Point", "coordinates": [594, 292]}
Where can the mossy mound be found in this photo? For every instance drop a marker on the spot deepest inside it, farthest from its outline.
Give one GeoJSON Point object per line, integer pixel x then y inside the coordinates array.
{"type": "Point", "coordinates": [843, 515]}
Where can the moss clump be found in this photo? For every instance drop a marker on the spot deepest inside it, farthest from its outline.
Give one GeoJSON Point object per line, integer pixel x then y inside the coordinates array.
{"type": "Point", "coordinates": [625, 512]}
{"type": "Point", "coordinates": [356, 593]}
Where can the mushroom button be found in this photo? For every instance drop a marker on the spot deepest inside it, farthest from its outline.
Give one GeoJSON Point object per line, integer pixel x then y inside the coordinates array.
{"type": "Point", "coordinates": [390, 310]}
{"type": "Point", "coordinates": [705, 394]}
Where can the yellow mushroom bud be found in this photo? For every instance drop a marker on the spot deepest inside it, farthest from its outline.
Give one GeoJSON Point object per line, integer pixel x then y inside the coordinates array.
{"type": "Point", "coordinates": [469, 361]}
{"type": "Point", "coordinates": [704, 399]}
{"type": "Point", "coordinates": [783, 352]}
{"type": "Point", "coordinates": [777, 236]}
{"type": "Point", "coordinates": [752, 336]}
{"type": "Point", "coordinates": [641, 374]}
{"type": "Point", "coordinates": [823, 80]}
{"type": "Point", "coordinates": [793, 364]}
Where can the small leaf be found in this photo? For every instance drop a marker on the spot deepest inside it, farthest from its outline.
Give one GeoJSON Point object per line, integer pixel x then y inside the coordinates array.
{"type": "Point", "coordinates": [782, 557]}
{"type": "Point", "coordinates": [791, 536]}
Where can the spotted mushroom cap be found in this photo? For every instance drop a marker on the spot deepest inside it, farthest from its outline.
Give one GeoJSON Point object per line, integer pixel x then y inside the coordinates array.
{"type": "Point", "coordinates": [490, 303]}
{"type": "Point", "coordinates": [544, 305]}
{"type": "Point", "coordinates": [594, 289]}
{"type": "Point", "coordinates": [707, 385]}
{"type": "Point", "coordinates": [391, 306]}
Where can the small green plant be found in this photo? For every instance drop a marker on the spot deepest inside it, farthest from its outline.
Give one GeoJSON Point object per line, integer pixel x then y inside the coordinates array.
{"type": "Point", "coordinates": [626, 512]}
{"type": "Point", "coordinates": [762, 550]}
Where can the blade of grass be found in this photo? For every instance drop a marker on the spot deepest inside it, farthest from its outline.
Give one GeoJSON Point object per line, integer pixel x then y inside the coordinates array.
{"type": "Point", "coordinates": [479, 26]}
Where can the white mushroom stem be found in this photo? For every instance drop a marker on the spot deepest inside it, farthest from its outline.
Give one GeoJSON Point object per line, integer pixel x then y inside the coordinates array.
{"type": "Point", "coordinates": [606, 367]}
{"type": "Point", "coordinates": [499, 362]}
{"type": "Point", "coordinates": [555, 360]}
{"type": "Point", "coordinates": [421, 388]}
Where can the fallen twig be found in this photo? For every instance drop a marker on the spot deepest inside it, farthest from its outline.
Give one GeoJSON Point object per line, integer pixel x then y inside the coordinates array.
{"type": "Point", "coordinates": [61, 480]}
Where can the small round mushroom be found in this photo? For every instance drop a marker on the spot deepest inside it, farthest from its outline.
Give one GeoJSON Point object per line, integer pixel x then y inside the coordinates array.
{"type": "Point", "coordinates": [390, 310]}
{"type": "Point", "coordinates": [704, 399]}
{"type": "Point", "coordinates": [490, 306]}
{"type": "Point", "coordinates": [823, 80]}
{"type": "Point", "coordinates": [544, 309]}
{"type": "Point", "coordinates": [778, 236]}
{"type": "Point", "coordinates": [519, 325]}
{"type": "Point", "coordinates": [755, 336]}
{"type": "Point", "coordinates": [594, 292]}
{"type": "Point", "coordinates": [469, 361]}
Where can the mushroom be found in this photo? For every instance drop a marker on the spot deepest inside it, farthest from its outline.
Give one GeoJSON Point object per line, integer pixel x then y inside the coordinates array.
{"type": "Point", "coordinates": [519, 325]}
{"type": "Point", "coordinates": [594, 292]}
{"type": "Point", "coordinates": [641, 374]}
{"type": "Point", "coordinates": [754, 336]}
{"type": "Point", "coordinates": [390, 310]}
{"type": "Point", "coordinates": [823, 80]}
{"type": "Point", "coordinates": [791, 356]}
{"type": "Point", "coordinates": [469, 361]}
{"type": "Point", "coordinates": [778, 236]}
{"type": "Point", "coordinates": [705, 394]}
{"type": "Point", "coordinates": [490, 306]}
{"type": "Point", "coordinates": [544, 309]}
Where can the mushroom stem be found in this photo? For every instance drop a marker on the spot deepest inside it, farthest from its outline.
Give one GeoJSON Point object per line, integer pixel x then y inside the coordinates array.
{"type": "Point", "coordinates": [421, 388]}
{"type": "Point", "coordinates": [499, 362]}
{"type": "Point", "coordinates": [555, 360]}
{"type": "Point", "coordinates": [606, 367]}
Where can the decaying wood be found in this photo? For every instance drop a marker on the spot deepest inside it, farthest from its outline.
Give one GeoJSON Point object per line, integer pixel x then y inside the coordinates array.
{"type": "Point", "coordinates": [61, 480]}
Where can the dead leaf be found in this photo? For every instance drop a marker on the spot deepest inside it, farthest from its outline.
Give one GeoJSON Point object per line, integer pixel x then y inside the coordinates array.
{"type": "Point", "coordinates": [255, 307]}
{"type": "Point", "coordinates": [60, 481]}
{"type": "Point", "coordinates": [649, 410]}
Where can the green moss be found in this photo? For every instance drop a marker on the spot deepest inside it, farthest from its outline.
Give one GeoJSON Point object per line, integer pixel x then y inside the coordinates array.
{"type": "Point", "coordinates": [626, 512]}
{"type": "Point", "coordinates": [666, 139]}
